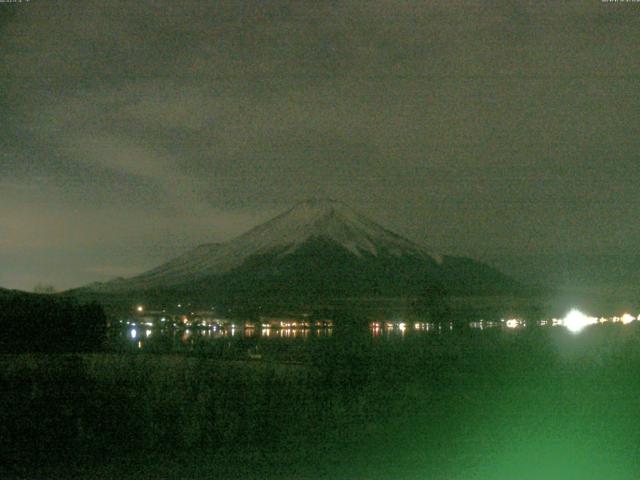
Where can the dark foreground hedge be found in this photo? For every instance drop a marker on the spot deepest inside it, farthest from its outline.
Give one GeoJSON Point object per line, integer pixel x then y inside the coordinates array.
{"type": "Point", "coordinates": [42, 323]}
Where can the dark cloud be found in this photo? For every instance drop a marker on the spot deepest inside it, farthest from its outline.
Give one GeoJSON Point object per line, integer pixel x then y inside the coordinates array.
{"type": "Point", "coordinates": [132, 130]}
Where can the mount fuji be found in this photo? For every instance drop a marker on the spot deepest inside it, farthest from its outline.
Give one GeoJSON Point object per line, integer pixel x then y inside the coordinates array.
{"type": "Point", "coordinates": [319, 249]}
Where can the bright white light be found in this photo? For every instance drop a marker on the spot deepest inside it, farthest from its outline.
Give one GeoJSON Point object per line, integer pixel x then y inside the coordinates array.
{"type": "Point", "coordinates": [575, 321]}
{"type": "Point", "coordinates": [133, 333]}
{"type": "Point", "coordinates": [513, 323]}
{"type": "Point", "coordinates": [626, 318]}
{"type": "Point", "coordinates": [147, 333]}
{"type": "Point", "coordinates": [140, 308]}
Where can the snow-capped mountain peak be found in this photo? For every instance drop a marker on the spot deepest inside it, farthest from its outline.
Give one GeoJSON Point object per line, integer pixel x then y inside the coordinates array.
{"type": "Point", "coordinates": [315, 251]}
{"type": "Point", "coordinates": [331, 220]}
{"type": "Point", "coordinates": [328, 220]}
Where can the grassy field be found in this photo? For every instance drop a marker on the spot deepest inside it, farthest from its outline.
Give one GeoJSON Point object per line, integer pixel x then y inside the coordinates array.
{"type": "Point", "coordinates": [540, 403]}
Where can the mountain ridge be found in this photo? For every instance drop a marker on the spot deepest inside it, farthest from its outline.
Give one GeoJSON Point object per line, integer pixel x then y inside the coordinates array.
{"type": "Point", "coordinates": [316, 248]}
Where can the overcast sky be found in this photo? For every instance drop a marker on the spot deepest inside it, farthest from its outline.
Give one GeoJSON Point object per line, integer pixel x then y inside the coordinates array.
{"type": "Point", "coordinates": [133, 130]}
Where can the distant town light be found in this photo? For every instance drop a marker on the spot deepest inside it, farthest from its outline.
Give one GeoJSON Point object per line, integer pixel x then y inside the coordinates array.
{"type": "Point", "coordinates": [513, 323]}
{"type": "Point", "coordinates": [575, 321]}
{"type": "Point", "coordinates": [140, 308]}
{"type": "Point", "coordinates": [627, 318]}
{"type": "Point", "coordinates": [133, 333]}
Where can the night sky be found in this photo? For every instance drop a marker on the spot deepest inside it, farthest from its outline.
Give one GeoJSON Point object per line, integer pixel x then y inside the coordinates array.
{"type": "Point", "coordinates": [133, 130]}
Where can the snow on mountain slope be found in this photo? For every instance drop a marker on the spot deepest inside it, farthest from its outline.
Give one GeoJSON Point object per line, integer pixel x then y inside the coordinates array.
{"type": "Point", "coordinates": [326, 219]}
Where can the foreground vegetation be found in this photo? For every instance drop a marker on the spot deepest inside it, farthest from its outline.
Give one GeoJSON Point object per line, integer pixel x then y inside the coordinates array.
{"type": "Point", "coordinates": [533, 404]}
{"type": "Point", "coordinates": [46, 323]}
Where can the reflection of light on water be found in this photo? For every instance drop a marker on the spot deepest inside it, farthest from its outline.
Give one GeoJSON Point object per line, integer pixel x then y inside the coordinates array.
{"type": "Point", "coordinates": [575, 321]}
{"type": "Point", "coordinates": [375, 329]}
{"type": "Point", "coordinates": [324, 332]}
{"type": "Point", "coordinates": [390, 328]}
{"type": "Point", "coordinates": [293, 332]}
{"type": "Point", "coordinates": [186, 335]}
{"type": "Point", "coordinates": [321, 332]}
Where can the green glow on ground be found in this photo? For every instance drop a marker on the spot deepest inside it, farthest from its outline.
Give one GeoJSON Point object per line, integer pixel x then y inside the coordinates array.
{"type": "Point", "coordinates": [541, 404]}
